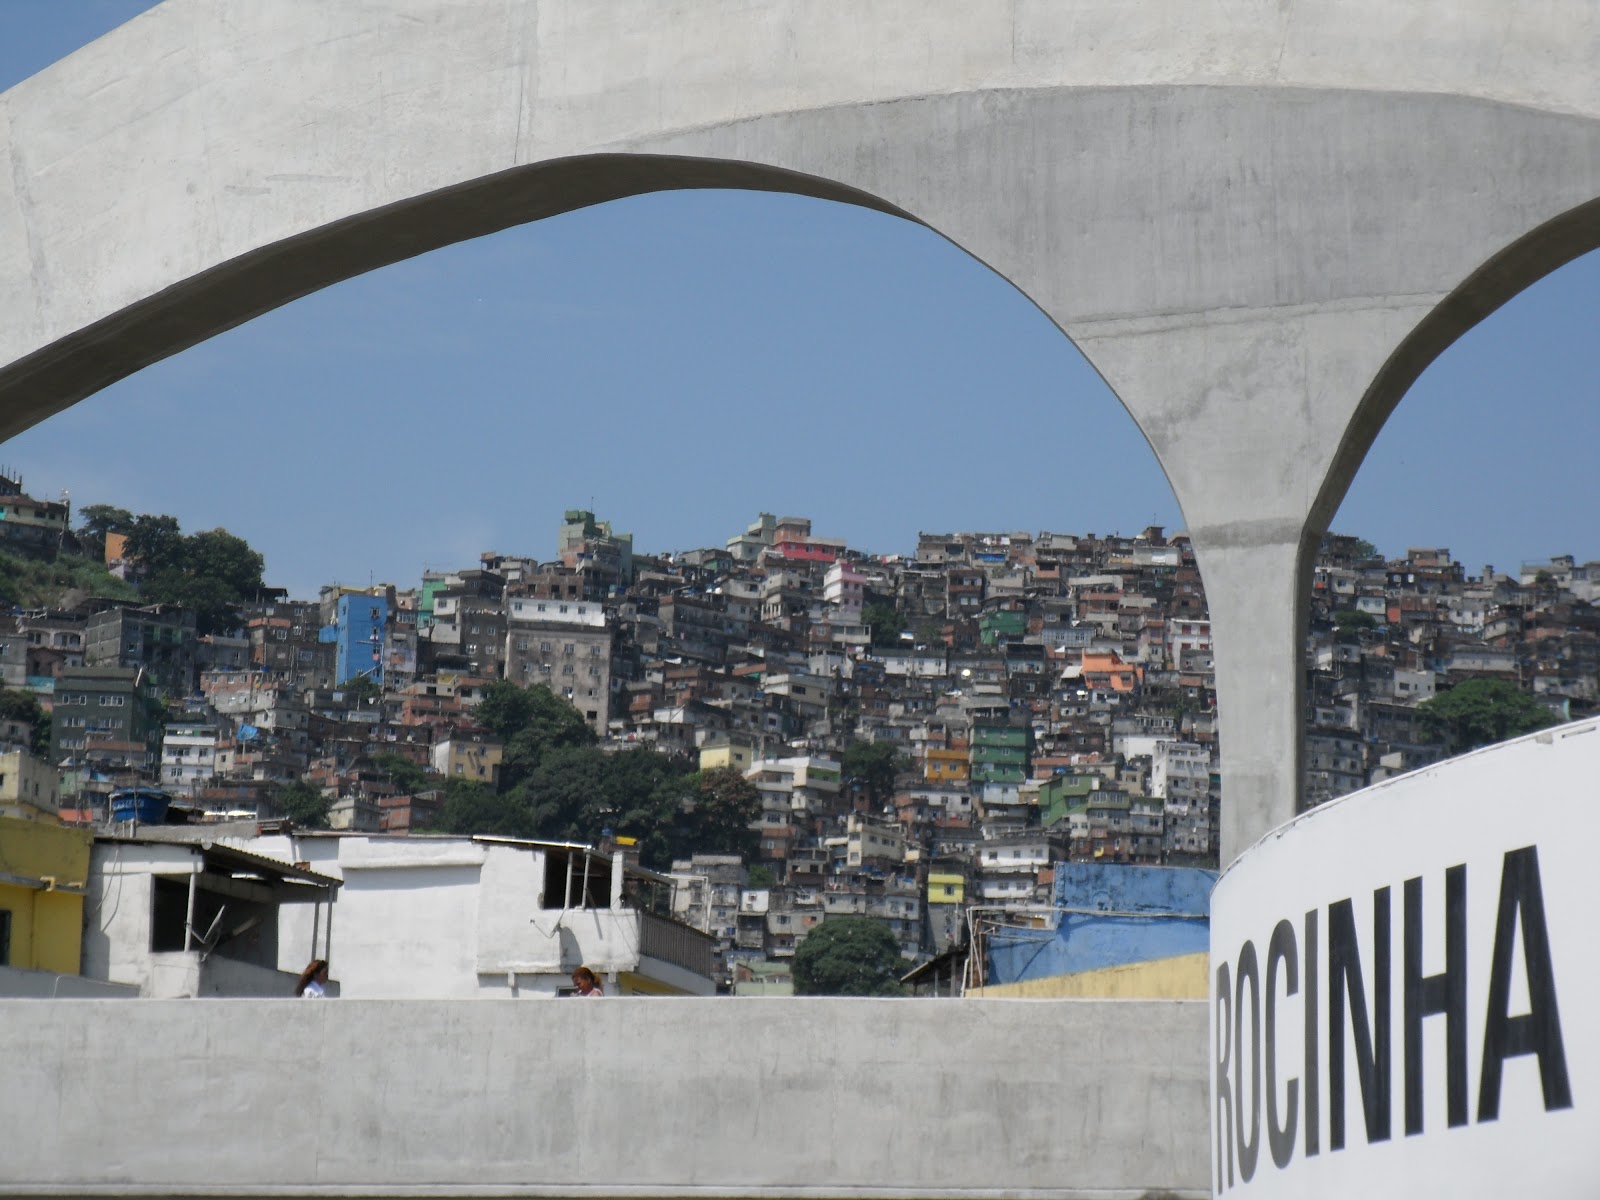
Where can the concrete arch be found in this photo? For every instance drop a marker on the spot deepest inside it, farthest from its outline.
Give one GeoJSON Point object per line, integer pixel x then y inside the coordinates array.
{"type": "Point", "coordinates": [1492, 285]}
{"type": "Point", "coordinates": [1237, 212]}
{"type": "Point", "coordinates": [231, 293]}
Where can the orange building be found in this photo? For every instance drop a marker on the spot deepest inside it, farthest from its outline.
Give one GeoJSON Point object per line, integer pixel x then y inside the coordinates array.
{"type": "Point", "coordinates": [946, 766]}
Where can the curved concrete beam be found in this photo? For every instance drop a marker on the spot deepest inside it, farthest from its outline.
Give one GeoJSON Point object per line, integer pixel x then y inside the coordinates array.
{"type": "Point", "coordinates": [1238, 211]}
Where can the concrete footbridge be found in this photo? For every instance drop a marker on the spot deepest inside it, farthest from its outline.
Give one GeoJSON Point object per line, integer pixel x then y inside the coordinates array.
{"type": "Point", "coordinates": [1260, 220]}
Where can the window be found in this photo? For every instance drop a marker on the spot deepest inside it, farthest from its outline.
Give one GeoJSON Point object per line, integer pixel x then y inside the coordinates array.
{"type": "Point", "coordinates": [5, 937]}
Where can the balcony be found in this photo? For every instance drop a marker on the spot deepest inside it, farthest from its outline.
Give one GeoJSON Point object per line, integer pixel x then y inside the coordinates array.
{"type": "Point", "coordinates": [676, 945]}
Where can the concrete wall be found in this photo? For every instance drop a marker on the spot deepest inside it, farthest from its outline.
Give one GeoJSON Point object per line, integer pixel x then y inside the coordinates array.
{"type": "Point", "coordinates": [1182, 977]}
{"type": "Point", "coordinates": [48, 985]}
{"type": "Point", "coordinates": [641, 1098]}
{"type": "Point", "coordinates": [116, 932]}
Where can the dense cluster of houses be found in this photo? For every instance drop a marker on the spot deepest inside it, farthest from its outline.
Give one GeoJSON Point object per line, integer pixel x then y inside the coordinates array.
{"type": "Point", "coordinates": [1027, 700]}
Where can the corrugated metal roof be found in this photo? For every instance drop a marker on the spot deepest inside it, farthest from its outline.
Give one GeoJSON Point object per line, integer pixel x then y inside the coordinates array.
{"type": "Point", "coordinates": [263, 864]}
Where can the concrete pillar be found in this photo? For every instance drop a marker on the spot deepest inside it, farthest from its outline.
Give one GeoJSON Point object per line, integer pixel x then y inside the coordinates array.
{"type": "Point", "coordinates": [1258, 631]}
{"type": "Point", "coordinates": [1254, 421]}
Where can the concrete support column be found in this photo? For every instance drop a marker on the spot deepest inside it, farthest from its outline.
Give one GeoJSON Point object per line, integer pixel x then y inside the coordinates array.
{"type": "Point", "coordinates": [1258, 630]}
{"type": "Point", "coordinates": [1249, 416]}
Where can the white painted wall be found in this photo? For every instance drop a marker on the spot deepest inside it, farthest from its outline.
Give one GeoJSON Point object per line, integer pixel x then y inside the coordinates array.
{"type": "Point", "coordinates": [1517, 825]}
{"type": "Point", "coordinates": [639, 1098]}
{"type": "Point", "coordinates": [117, 910]}
{"type": "Point", "coordinates": [453, 918]}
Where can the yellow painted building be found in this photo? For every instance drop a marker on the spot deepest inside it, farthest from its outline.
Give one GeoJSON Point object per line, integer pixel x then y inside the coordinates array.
{"type": "Point", "coordinates": [733, 755]}
{"type": "Point", "coordinates": [1181, 977]}
{"type": "Point", "coordinates": [947, 766]}
{"type": "Point", "coordinates": [29, 787]}
{"type": "Point", "coordinates": [461, 758]}
{"type": "Point", "coordinates": [946, 889]}
{"type": "Point", "coordinates": [44, 868]}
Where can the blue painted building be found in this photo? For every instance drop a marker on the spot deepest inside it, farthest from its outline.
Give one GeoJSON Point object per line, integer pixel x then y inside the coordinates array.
{"type": "Point", "coordinates": [1115, 930]}
{"type": "Point", "coordinates": [361, 624]}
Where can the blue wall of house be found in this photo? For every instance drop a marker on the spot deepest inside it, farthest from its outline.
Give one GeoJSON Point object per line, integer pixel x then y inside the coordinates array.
{"type": "Point", "coordinates": [361, 622]}
{"type": "Point", "coordinates": [1109, 915]}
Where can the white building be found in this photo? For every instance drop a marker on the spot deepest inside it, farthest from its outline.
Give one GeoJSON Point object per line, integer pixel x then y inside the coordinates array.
{"type": "Point", "coordinates": [872, 843]}
{"type": "Point", "coordinates": [844, 588]}
{"type": "Point", "coordinates": [189, 757]}
{"type": "Point", "coordinates": [1009, 868]}
{"type": "Point", "coordinates": [1187, 633]}
{"type": "Point", "coordinates": [804, 784]}
{"type": "Point", "coordinates": [458, 917]}
{"type": "Point", "coordinates": [180, 919]}
{"type": "Point", "coordinates": [1180, 777]}
{"type": "Point", "coordinates": [566, 645]}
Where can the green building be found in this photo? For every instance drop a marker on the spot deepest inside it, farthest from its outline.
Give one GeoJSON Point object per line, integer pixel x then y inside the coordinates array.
{"type": "Point", "coordinates": [1000, 753]}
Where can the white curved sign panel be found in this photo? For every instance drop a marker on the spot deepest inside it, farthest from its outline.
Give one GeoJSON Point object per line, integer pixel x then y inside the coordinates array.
{"type": "Point", "coordinates": [1405, 998]}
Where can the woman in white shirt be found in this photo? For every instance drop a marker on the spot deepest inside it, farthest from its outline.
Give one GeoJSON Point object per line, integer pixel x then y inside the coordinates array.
{"type": "Point", "coordinates": [313, 981]}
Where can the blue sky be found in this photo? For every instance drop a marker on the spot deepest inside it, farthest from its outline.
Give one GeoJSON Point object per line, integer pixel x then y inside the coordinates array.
{"type": "Point", "coordinates": [681, 362]}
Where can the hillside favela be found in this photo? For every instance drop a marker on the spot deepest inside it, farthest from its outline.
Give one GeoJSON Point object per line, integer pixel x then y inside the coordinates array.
{"type": "Point", "coordinates": [983, 765]}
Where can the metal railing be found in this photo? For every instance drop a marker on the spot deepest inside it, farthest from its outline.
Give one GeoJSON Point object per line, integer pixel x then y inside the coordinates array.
{"type": "Point", "coordinates": [676, 944]}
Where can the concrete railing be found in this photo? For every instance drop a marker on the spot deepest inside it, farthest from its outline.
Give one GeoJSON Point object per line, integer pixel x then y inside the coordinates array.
{"type": "Point", "coordinates": [639, 1098]}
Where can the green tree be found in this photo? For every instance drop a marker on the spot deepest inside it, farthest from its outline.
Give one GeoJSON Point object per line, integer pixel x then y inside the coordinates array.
{"type": "Point", "coordinates": [883, 622]}
{"type": "Point", "coordinates": [1350, 620]}
{"type": "Point", "coordinates": [471, 808]}
{"type": "Point", "coordinates": [708, 812]}
{"type": "Point", "coordinates": [1480, 712]}
{"type": "Point", "coordinates": [24, 706]}
{"type": "Point", "coordinates": [505, 709]}
{"type": "Point", "coordinates": [872, 767]}
{"type": "Point", "coordinates": [530, 725]}
{"type": "Point", "coordinates": [157, 542]}
{"type": "Point", "coordinates": [404, 773]}
{"type": "Point", "coordinates": [576, 793]}
{"type": "Point", "coordinates": [228, 559]}
{"type": "Point", "coordinates": [97, 520]}
{"type": "Point", "coordinates": [849, 956]}
{"type": "Point", "coordinates": [361, 690]}
{"type": "Point", "coordinates": [629, 803]}
{"type": "Point", "coordinates": [211, 573]}
{"type": "Point", "coordinates": [303, 804]}
{"type": "Point", "coordinates": [761, 876]}
{"type": "Point", "coordinates": [564, 794]}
